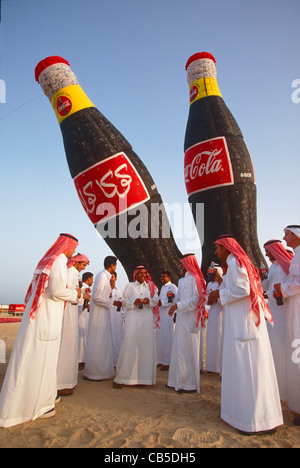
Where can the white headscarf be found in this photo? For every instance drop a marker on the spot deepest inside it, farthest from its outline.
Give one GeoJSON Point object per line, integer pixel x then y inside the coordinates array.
{"type": "Point", "coordinates": [295, 229]}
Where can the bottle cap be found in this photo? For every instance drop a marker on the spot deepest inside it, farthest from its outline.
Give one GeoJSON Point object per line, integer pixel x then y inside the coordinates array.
{"type": "Point", "coordinates": [198, 56]}
{"type": "Point", "coordinates": [47, 62]}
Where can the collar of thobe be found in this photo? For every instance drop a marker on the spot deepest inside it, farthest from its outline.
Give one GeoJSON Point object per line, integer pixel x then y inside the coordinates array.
{"type": "Point", "coordinates": [168, 284]}
{"type": "Point", "coordinates": [107, 274]}
{"type": "Point", "coordinates": [144, 284]}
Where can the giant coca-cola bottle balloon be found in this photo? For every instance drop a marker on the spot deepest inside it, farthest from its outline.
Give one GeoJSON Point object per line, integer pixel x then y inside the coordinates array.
{"type": "Point", "coordinates": [114, 186]}
{"type": "Point", "coordinates": [218, 167]}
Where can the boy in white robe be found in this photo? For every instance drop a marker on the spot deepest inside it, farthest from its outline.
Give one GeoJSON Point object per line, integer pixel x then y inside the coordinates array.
{"type": "Point", "coordinates": [83, 320]}
{"type": "Point", "coordinates": [99, 354]}
{"type": "Point", "coordinates": [164, 334]}
{"type": "Point", "coordinates": [67, 369]}
{"type": "Point", "coordinates": [30, 387]}
{"type": "Point", "coordinates": [214, 332]}
{"type": "Point", "coordinates": [249, 397]}
{"type": "Point", "coordinates": [291, 291]}
{"type": "Point", "coordinates": [137, 361]}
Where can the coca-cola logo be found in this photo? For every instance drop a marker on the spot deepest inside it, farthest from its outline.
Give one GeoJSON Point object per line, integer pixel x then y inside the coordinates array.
{"type": "Point", "coordinates": [63, 105]}
{"type": "Point", "coordinates": [207, 165]}
{"type": "Point", "coordinates": [113, 181]}
{"type": "Point", "coordinates": [193, 93]}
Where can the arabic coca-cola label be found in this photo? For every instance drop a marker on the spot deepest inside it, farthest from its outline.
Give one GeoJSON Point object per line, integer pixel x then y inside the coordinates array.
{"type": "Point", "coordinates": [110, 187]}
{"type": "Point", "coordinates": [207, 165]}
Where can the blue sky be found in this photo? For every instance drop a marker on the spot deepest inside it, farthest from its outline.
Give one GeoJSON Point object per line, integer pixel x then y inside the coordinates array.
{"type": "Point", "coordinates": [129, 57]}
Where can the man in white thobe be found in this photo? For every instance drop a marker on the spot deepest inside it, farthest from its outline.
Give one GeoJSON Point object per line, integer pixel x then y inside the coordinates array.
{"type": "Point", "coordinates": [291, 291]}
{"type": "Point", "coordinates": [281, 260]}
{"type": "Point", "coordinates": [84, 316]}
{"type": "Point", "coordinates": [116, 318]}
{"type": "Point", "coordinates": [99, 354]}
{"type": "Point", "coordinates": [67, 369]}
{"type": "Point", "coordinates": [164, 334]}
{"type": "Point", "coordinates": [214, 332]}
{"type": "Point", "coordinates": [137, 361]}
{"type": "Point", "coordinates": [184, 370]}
{"type": "Point", "coordinates": [30, 387]}
{"type": "Point", "coordinates": [250, 397]}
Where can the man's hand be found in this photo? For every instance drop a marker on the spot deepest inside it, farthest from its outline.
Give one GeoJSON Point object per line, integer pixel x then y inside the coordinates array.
{"type": "Point", "coordinates": [172, 310]}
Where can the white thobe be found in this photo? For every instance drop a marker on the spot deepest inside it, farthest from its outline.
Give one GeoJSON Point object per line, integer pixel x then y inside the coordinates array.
{"type": "Point", "coordinates": [99, 354]}
{"type": "Point", "coordinates": [67, 369]}
{"type": "Point", "coordinates": [164, 334]}
{"type": "Point", "coordinates": [291, 290]}
{"type": "Point", "coordinates": [214, 333]}
{"type": "Point", "coordinates": [30, 386]}
{"type": "Point", "coordinates": [250, 397]}
{"type": "Point", "coordinates": [137, 361]}
{"type": "Point", "coordinates": [83, 326]}
{"type": "Point", "coordinates": [184, 371]}
{"type": "Point", "coordinates": [277, 333]}
{"type": "Point", "coordinates": [116, 322]}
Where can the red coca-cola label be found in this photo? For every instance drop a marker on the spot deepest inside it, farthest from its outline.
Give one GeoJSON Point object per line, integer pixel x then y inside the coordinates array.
{"type": "Point", "coordinates": [110, 187]}
{"type": "Point", "coordinates": [207, 165]}
{"type": "Point", "coordinates": [63, 105]}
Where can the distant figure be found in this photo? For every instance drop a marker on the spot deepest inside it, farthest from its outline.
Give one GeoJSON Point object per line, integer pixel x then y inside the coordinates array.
{"type": "Point", "coordinates": [84, 316]}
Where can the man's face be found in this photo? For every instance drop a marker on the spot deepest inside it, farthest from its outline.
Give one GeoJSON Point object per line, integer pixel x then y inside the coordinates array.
{"type": "Point", "coordinates": [113, 267]}
{"type": "Point", "coordinates": [270, 256]}
{"type": "Point", "coordinates": [80, 266]}
{"type": "Point", "coordinates": [141, 276]}
{"type": "Point", "coordinates": [290, 238]}
{"type": "Point", "coordinates": [90, 281]}
{"type": "Point", "coordinates": [221, 252]}
{"type": "Point", "coordinates": [112, 280]}
{"type": "Point", "coordinates": [165, 278]}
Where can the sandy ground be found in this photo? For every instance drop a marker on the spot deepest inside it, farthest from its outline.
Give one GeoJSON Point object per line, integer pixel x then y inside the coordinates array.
{"type": "Point", "coordinates": [97, 415]}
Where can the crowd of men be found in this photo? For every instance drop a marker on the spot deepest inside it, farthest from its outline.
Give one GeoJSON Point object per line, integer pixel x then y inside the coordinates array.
{"type": "Point", "coordinates": [253, 331]}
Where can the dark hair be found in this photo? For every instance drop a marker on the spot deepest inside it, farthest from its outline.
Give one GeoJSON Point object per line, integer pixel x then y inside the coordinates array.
{"type": "Point", "coordinates": [108, 261]}
{"type": "Point", "coordinates": [166, 272]}
{"type": "Point", "coordinates": [86, 275]}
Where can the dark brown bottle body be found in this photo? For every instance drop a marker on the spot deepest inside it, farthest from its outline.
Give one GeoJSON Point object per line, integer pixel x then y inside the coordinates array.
{"type": "Point", "coordinates": [229, 196]}
{"type": "Point", "coordinates": [114, 186]}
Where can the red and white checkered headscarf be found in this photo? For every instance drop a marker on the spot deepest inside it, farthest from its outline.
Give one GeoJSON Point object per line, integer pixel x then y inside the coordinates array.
{"type": "Point", "coordinates": [153, 290]}
{"type": "Point", "coordinates": [77, 258]}
{"type": "Point", "coordinates": [42, 272]}
{"type": "Point", "coordinates": [191, 265]}
{"type": "Point", "coordinates": [281, 255]}
{"type": "Point", "coordinates": [256, 293]}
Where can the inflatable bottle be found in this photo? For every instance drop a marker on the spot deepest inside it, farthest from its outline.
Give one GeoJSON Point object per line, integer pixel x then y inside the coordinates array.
{"type": "Point", "coordinates": [218, 167]}
{"type": "Point", "coordinates": [114, 186]}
